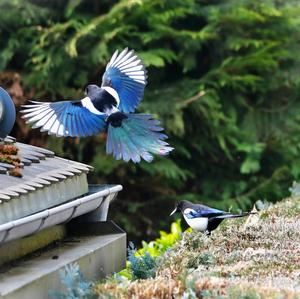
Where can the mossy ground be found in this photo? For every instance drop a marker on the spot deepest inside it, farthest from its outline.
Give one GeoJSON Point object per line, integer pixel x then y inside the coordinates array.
{"type": "Point", "coordinates": [258, 257]}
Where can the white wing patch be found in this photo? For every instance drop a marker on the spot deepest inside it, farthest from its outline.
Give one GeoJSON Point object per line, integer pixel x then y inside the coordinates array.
{"type": "Point", "coordinates": [41, 115]}
{"type": "Point", "coordinates": [129, 64]}
{"type": "Point", "coordinates": [87, 103]}
{"type": "Point", "coordinates": [65, 118]}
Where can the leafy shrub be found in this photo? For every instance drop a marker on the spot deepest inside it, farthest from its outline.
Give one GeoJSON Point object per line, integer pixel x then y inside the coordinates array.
{"type": "Point", "coordinates": [142, 263]}
{"type": "Point", "coordinates": [76, 286]}
{"type": "Point", "coordinates": [141, 266]}
{"type": "Point", "coordinates": [190, 291]}
{"type": "Point", "coordinates": [164, 242]}
{"type": "Point", "coordinates": [295, 189]}
{"type": "Point", "coordinates": [205, 258]}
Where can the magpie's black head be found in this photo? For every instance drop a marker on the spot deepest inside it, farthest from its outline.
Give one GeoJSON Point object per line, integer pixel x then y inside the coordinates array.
{"type": "Point", "coordinates": [91, 88]}
{"type": "Point", "coordinates": [181, 206]}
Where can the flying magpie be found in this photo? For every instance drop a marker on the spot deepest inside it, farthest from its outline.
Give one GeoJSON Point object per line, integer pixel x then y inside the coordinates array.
{"type": "Point", "coordinates": [203, 218]}
{"type": "Point", "coordinates": [7, 113]}
{"type": "Point", "coordinates": [107, 108]}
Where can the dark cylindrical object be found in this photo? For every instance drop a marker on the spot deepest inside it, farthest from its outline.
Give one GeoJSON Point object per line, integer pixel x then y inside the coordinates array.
{"type": "Point", "coordinates": [7, 113]}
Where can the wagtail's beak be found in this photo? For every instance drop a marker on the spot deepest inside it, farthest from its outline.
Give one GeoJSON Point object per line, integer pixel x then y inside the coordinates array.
{"type": "Point", "coordinates": [174, 211]}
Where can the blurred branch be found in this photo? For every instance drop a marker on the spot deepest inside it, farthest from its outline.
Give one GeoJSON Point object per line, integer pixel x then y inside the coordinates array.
{"type": "Point", "coordinates": [192, 99]}
{"type": "Point", "coordinates": [277, 173]}
{"type": "Point", "coordinates": [278, 109]}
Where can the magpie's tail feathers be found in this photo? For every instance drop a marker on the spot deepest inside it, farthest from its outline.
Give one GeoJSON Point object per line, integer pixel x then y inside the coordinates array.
{"type": "Point", "coordinates": [135, 137]}
{"type": "Point", "coordinates": [227, 216]}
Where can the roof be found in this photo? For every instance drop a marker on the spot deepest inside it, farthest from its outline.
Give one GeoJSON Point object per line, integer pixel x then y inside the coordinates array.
{"type": "Point", "coordinates": [46, 181]}
{"type": "Point", "coordinates": [98, 200]}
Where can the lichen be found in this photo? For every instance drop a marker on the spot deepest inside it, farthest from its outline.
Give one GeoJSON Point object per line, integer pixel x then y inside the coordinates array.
{"type": "Point", "coordinates": [9, 155]}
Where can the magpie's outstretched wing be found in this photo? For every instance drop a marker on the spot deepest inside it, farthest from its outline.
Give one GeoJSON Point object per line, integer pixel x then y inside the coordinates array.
{"type": "Point", "coordinates": [126, 74]}
{"type": "Point", "coordinates": [68, 118]}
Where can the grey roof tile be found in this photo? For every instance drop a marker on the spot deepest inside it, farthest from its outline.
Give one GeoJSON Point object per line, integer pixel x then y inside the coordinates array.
{"type": "Point", "coordinates": [3, 170]}
{"type": "Point", "coordinates": [46, 181]}
{"type": "Point", "coordinates": [6, 166]}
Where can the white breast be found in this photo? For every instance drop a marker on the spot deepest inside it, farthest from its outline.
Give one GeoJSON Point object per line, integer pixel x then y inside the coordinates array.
{"type": "Point", "coordinates": [198, 224]}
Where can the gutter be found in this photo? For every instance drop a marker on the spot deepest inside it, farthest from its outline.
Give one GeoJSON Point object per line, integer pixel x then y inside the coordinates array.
{"type": "Point", "coordinates": [97, 200]}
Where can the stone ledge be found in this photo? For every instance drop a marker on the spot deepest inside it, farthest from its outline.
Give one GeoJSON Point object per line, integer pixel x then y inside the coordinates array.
{"type": "Point", "coordinates": [97, 256]}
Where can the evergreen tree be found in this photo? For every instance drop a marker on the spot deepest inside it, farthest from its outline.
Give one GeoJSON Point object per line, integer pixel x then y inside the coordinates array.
{"type": "Point", "coordinates": [223, 77]}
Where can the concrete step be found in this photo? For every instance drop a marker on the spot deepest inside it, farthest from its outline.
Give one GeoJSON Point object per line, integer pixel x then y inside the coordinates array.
{"type": "Point", "coordinates": [100, 249]}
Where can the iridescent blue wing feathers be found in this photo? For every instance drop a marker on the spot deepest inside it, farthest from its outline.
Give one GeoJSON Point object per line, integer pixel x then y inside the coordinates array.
{"type": "Point", "coordinates": [63, 119]}
{"type": "Point", "coordinates": [126, 74]}
{"type": "Point", "coordinates": [139, 137]}
{"type": "Point", "coordinates": [204, 211]}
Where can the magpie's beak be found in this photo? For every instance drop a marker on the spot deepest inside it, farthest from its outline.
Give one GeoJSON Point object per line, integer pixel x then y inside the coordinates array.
{"type": "Point", "coordinates": [174, 211]}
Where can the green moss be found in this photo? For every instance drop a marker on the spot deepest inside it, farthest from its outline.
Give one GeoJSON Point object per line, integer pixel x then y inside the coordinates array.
{"type": "Point", "coordinates": [251, 258]}
{"type": "Point", "coordinates": [205, 258]}
{"type": "Point", "coordinates": [239, 293]}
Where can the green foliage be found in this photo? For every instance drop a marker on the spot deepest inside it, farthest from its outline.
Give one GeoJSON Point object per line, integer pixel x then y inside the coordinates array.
{"type": "Point", "coordinates": [76, 286]}
{"type": "Point", "coordinates": [142, 263]}
{"type": "Point", "coordinates": [165, 241]}
{"type": "Point", "coordinates": [223, 78]}
{"type": "Point", "coordinates": [295, 189]}
{"type": "Point", "coordinates": [141, 266]}
{"type": "Point", "coordinates": [204, 258]}
{"type": "Point", "coordinates": [190, 291]}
